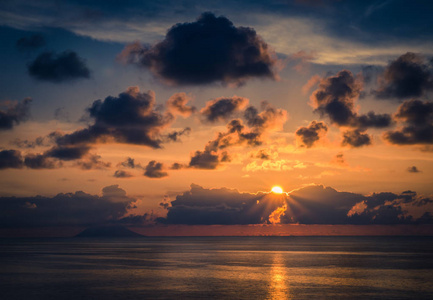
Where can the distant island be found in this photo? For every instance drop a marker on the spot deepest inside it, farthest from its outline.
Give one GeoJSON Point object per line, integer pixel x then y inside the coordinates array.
{"type": "Point", "coordinates": [108, 231]}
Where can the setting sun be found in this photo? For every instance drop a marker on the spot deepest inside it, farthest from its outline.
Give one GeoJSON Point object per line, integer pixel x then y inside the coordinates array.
{"type": "Point", "coordinates": [277, 190]}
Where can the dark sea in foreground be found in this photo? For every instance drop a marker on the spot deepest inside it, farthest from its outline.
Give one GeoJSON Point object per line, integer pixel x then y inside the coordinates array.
{"type": "Point", "coordinates": [217, 268]}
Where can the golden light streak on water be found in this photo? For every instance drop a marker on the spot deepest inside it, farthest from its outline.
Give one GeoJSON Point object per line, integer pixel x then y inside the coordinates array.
{"type": "Point", "coordinates": [279, 280]}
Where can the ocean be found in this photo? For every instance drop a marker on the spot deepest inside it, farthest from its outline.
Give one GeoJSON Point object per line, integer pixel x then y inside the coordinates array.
{"type": "Point", "coordinates": [217, 268]}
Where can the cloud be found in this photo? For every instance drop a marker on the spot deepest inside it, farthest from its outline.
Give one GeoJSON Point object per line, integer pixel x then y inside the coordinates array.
{"type": "Point", "coordinates": [355, 138]}
{"type": "Point", "coordinates": [413, 169]}
{"type": "Point", "coordinates": [129, 118]}
{"type": "Point", "coordinates": [69, 209]}
{"type": "Point", "coordinates": [57, 68]}
{"type": "Point", "coordinates": [336, 98]}
{"type": "Point", "coordinates": [41, 161]}
{"type": "Point", "coordinates": [308, 205]}
{"type": "Point", "coordinates": [208, 50]}
{"type": "Point", "coordinates": [417, 119]}
{"type": "Point", "coordinates": [14, 114]}
{"type": "Point", "coordinates": [130, 163]}
{"type": "Point", "coordinates": [218, 206]}
{"type": "Point", "coordinates": [30, 43]}
{"type": "Point", "coordinates": [204, 160]}
{"type": "Point", "coordinates": [222, 108]}
{"type": "Point", "coordinates": [176, 104]}
{"type": "Point", "coordinates": [175, 135]}
{"type": "Point", "coordinates": [93, 162]}
{"type": "Point", "coordinates": [10, 159]}
{"type": "Point", "coordinates": [311, 134]}
{"type": "Point", "coordinates": [155, 170]}
{"type": "Point", "coordinates": [410, 75]}
{"type": "Point", "coordinates": [260, 124]}
{"type": "Point", "coordinates": [39, 141]}
{"type": "Point", "coordinates": [68, 152]}
{"type": "Point", "coordinates": [122, 174]}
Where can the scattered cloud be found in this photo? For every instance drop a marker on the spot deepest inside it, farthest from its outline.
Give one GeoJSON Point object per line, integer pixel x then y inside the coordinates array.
{"type": "Point", "coordinates": [413, 169]}
{"type": "Point", "coordinates": [410, 75]}
{"type": "Point", "coordinates": [14, 114]}
{"type": "Point", "coordinates": [58, 68]}
{"type": "Point", "coordinates": [417, 119]}
{"type": "Point", "coordinates": [223, 108]}
{"type": "Point", "coordinates": [30, 43]}
{"type": "Point", "coordinates": [155, 170]}
{"type": "Point", "coordinates": [311, 134]}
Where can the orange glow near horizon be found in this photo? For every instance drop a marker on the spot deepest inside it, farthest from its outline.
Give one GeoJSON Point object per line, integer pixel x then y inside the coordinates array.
{"type": "Point", "coordinates": [277, 190]}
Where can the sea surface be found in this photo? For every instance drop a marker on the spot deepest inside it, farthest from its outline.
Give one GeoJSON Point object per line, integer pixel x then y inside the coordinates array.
{"type": "Point", "coordinates": [217, 268]}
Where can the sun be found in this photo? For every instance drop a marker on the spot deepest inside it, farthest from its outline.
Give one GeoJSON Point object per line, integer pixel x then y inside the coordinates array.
{"type": "Point", "coordinates": [277, 190]}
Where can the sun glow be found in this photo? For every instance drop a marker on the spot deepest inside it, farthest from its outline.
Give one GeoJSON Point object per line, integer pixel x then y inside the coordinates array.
{"type": "Point", "coordinates": [277, 190]}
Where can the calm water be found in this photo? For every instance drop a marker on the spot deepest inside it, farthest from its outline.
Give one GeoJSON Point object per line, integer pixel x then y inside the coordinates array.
{"type": "Point", "coordinates": [218, 268]}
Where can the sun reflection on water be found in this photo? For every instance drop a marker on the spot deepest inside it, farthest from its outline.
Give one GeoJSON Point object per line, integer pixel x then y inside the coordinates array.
{"type": "Point", "coordinates": [279, 285]}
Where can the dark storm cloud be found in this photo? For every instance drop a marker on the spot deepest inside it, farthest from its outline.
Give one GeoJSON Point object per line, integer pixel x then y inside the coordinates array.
{"type": "Point", "coordinates": [356, 138]}
{"type": "Point", "coordinates": [10, 159]}
{"type": "Point", "coordinates": [69, 209]}
{"type": "Point", "coordinates": [311, 134]}
{"type": "Point", "coordinates": [177, 104]}
{"type": "Point", "coordinates": [417, 119]}
{"type": "Point", "coordinates": [208, 50]}
{"type": "Point", "coordinates": [57, 68]}
{"type": "Point", "coordinates": [130, 118]}
{"type": "Point", "coordinates": [413, 169]}
{"type": "Point", "coordinates": [222, 108]}
{"type": "Point", "coordinates": [30, 43]}
{"type": "Point", "coordinates": [155, 170]}
{"type": "Point", "coordinates": [14, 114]}
{"type": "Point", "coordinates": [308, 205]}
{"type": "Point", "coordinates": [410, 75]}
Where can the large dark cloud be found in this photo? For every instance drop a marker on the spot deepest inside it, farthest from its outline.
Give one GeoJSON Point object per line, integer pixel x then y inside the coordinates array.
{"type": "Point", "coordinates": [57, 68]}
{"type": "Point", "coordinates": [218, 206]}
{"type": "Point", "coordinates": [309, 205]}
{"type": "Point", "coordinates": [41, 161]}
{"type": "Point", "coordinates": [14, 114]}
{"type": "Point", "coordinates": [410, 75]}
{"type": "Point", "coordinates": [222, 108]}
{"type": "Point", "coordinates": [70, 209]}
{"type": "Point", "coordinates": [311, 134]}
{"type": "Point", "coordinates": [130, 118]}
{"type": "Point", "coordinates": [30, 43]}
{"type": "Point", "coordinates": [417, 119]}
{"type": "Point", "coordinates": [208, 50]}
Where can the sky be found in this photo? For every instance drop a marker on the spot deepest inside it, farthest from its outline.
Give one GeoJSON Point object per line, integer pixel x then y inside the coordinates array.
{"type": "Point", "coordinates": [179, 117]}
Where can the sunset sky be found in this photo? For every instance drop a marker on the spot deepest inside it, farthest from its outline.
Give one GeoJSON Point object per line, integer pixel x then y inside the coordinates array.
{"type": "Point", "coordinates": [168, 115]}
